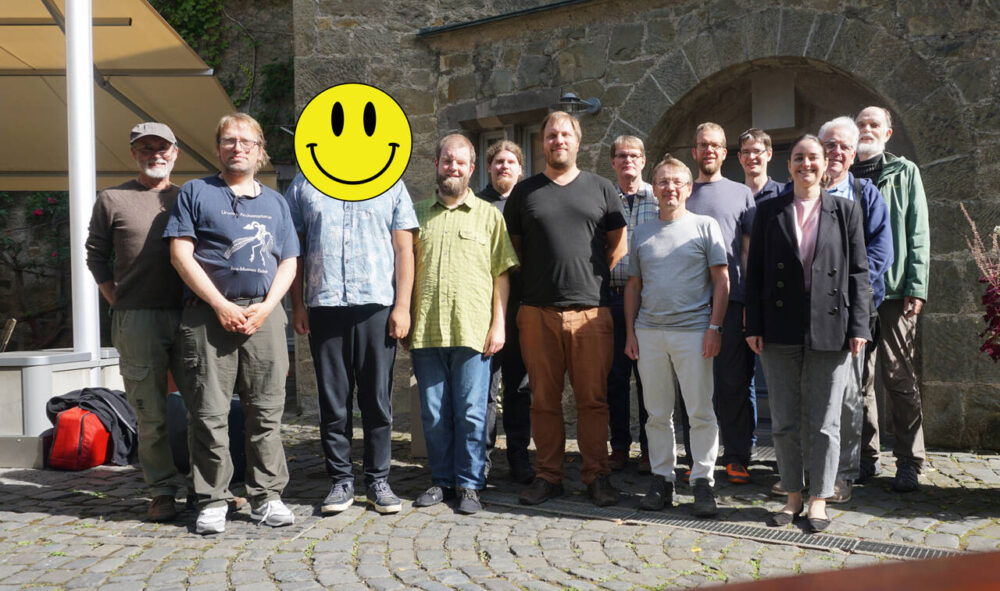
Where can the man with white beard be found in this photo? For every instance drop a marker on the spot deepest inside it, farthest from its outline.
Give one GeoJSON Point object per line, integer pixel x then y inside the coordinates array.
{"type": "Point", "coordinates": [131, 264]}
{"type": "Point", "coordinates": [505, 162]}
{"type": "Point", "coordinates": [906, 283]}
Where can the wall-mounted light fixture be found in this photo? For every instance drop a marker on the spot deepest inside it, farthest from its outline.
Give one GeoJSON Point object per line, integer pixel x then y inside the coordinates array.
{"type": "Point", "coordinates": [575, 105]}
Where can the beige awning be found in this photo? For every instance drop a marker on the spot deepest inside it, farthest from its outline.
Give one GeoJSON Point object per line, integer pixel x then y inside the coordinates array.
{"type": "Point", "coordinates": [143, 71]}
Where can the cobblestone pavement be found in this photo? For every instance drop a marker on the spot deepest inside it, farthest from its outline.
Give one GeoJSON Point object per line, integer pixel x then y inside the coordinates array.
{"type": "Point", "coordinates": [85, 530]}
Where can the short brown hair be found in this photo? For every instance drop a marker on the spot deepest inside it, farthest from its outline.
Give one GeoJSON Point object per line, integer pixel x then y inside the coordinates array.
{"type": "Point", "coordinates": [755, 135]}
{"type": "Point", "coordinates": [627, 141]}
{"type": "Point", "coordinates": [501, 146]}
{"type": "Point", "coordinates": [671, 162]}
{"type": "Point", "coordinates": [236, 118]}
{"type": "Point", "coordinates": [709, 126]}
{"type": "Point", "coordinates": [558, 115]}
{"type": "Point", "coordinates": [460, 139]}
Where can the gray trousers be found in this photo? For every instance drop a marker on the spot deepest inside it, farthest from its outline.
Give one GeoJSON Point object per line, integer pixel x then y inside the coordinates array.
{"type": "Point", "coordinates": [896, 358]}
{"type": "Point", "coordinates": [806, 391]}
{"type": "Point", "coordinates": [216, 364]}
{"type": "Point", "coordinates": [851, 419]}
{"type": "Point", "coordinates": [147, 347]}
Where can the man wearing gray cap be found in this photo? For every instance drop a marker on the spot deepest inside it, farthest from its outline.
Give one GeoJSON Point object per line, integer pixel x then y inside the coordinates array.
{"type": "Point", "coordinates": [131, 263]}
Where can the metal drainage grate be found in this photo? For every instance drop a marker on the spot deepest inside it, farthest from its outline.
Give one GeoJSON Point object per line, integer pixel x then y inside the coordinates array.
{"type": "Point", "coordinates": [760, 534]}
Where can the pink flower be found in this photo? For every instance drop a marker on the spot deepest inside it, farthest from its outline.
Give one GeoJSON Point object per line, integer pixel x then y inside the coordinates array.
{"type": "Point", "coordinates": [38, 212]}
{"type": "Point", "coordinates": [54, 254]}
{"type": "Point", "coordinates": [52, 200]}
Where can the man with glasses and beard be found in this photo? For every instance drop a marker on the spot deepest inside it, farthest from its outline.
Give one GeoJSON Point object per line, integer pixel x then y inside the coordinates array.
{"type": "Point", "coordinates": [132, 267]}
{"type": "Point", "coordinates": [460, 292]}
{"type": "Point", "coordinates": [233, 244]}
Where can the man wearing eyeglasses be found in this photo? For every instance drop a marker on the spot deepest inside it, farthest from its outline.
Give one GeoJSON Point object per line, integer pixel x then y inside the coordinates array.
{"type": "Point", "coordinates": [628, 157]}
{"type": "Point", "coordinates": [731, 204]}
{"type": "Point", "coordinates": [754, 156]}
{"type": "Point", "coordinates": [233, 244]}
{"type": "Point", "coordinates": [132, 269]}
{"type": "Point", "coordinates": [840, 140]}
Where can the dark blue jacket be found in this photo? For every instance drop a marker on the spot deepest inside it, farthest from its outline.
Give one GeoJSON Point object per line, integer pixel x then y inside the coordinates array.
{"type": "Point", "coordinates": [878, 234]}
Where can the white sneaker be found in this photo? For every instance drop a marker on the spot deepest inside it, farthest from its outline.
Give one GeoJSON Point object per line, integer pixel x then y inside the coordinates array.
{"type": "Point", "coordinates": [273, 513]}
{"type": "Point", "coordinates": [211, 520]}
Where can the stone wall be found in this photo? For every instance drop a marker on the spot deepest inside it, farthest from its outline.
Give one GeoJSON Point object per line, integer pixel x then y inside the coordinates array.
{"type": "Point", "coordinates": [656, 64]}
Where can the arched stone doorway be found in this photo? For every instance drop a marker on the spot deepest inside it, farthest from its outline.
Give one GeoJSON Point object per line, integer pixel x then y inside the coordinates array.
{"type": "Point", "coordinates": [811, 92]}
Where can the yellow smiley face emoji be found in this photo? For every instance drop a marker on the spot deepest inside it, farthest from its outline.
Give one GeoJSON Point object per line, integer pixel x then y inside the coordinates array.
{"type": "Point", "coordinates": [353, 142]}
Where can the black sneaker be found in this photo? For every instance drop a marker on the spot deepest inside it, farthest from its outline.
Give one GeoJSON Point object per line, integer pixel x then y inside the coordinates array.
{"type": "Point", "coordinates": [906, 478]}
{"type": "Point", "coordinates": [602, 492]}
{"type": "Point", "coordinates": [704, 498]}
{"type": "Point", "coordinates": [434, 495]}
{"type": "Point", "coordinates": [867, 471]}
{"type": "Point", "coordinates": [468, 501]}
{"type": "Point", "coordinates": [382, 498]}
{"type": "Point", "coordinates": [659, 495]}
{"type": "Point", "coordinates": [340, 498]}
{"type": "Point", "coordinates": [539, 491]}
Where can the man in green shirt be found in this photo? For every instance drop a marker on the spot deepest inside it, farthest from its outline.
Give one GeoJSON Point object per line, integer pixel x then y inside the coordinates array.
{"type": "Point", "coordinates": [460, 293]}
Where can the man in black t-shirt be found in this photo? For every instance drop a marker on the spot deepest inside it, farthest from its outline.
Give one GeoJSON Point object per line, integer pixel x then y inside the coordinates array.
{"type": "Point", "coordinates": [569, 230]}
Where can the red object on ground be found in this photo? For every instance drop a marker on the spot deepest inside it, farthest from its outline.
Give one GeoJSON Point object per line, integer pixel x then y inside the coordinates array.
{"type": "Point", "coordinates": [80, 440]}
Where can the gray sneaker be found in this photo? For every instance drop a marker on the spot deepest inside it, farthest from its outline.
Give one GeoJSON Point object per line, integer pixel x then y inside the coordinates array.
{"type": "Point", "coordinates": [340, 498]}
{"type": "Point", "coordinates": [468, 501]}
{"type": "Point", "coordinates": [704, 499]}
{"type": "Point", "coordinates": [382, 498]}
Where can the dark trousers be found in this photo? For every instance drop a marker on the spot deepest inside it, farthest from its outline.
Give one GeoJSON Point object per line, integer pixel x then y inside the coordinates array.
{"type": "Point", "coordinates": [622, 368]}
{"type": "Point", "coordinates": [734, 400]}
{"type": "Point", "coordinates": [351, 347]}
{"type": "Point", "coordinates": [507, 368]}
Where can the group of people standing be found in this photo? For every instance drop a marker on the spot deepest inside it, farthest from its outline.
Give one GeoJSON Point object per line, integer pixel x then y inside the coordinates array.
{"type": "Point", "coordinates": [680, 281]}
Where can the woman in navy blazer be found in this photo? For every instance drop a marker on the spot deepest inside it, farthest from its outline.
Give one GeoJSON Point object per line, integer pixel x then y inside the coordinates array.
{"type": "Point", "coordinates": [805, 320]}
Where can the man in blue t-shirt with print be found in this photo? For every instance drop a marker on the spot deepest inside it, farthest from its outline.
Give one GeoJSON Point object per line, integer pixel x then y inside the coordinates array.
{"type": "Point", "coordinates": [234, 246]}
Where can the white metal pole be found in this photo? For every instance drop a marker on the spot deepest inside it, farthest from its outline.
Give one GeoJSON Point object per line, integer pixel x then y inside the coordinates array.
{"type": "Point", "coordinates": [82, 175]}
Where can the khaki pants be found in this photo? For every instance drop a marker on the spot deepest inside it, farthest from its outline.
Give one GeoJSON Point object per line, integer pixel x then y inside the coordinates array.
{"type": "Point", "coordinates": [555, 341]}
{"type": "Point", "coordinates": [896, 358]}
{"type": "Point", "coordinates": [147, 347]}
{"type": "Point", "coordinates": [216, 364]}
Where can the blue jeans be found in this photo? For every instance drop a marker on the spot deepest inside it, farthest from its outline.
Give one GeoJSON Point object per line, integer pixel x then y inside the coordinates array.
{"type": "Point", "coordinates": [454, 384]}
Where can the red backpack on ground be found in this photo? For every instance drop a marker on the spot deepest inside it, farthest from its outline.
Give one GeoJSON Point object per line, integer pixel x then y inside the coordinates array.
{"type": "Point", "coordinates": [80, 440]}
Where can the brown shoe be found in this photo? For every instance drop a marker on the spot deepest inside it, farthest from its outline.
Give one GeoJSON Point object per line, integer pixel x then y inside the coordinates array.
{"type": "Point", "coordinates": [602, 492]}
{"type": "Point", "coordinates": [539, 491]}
{"type": "Point", "coordinates": [618, 459]}
{"type": "Point", "coordinates": [644, 467]}
{"type": "Point", "coordinates": [161, 509]}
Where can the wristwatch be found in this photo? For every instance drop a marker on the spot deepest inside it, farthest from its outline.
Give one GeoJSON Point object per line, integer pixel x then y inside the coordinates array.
{"type": "Point", "coordinates": [715, 327]}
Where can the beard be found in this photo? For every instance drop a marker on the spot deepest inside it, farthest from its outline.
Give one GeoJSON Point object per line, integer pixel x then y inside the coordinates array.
{"type": "Point", "coordinates": [709, 168]}
{"type": "Point", "coordinates": [450, 186]}
{"type": "Point", "coordinates": [504, 184]}
{"type": "Point", "coordinates": [157, 172]}
{"type": "Point", "coordinates": [870, 149]}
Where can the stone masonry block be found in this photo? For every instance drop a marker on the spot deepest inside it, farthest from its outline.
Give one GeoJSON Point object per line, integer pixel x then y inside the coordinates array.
{"type": "Point", "coordinates": [935, 125]}
{"type": "Point", "coordinates": [795, 27]}
{"type": "Point", "coordinates": [824, 31]}
{"type": "Point", "coordinates": [943, 402]}
{"type": "Point", "coordinates": [584, 61]}
{"type": "Point", "coordinates": [626, 42]}
{"type": "Point", "coordinates": [645, 106]}
{"type": "Point", "coordinates": [951, 347]}
{"type": "Point", "coordinates": [882, 57]}
{"type": "Point", "coordinates": [701, 52]}
{"type": "Point", "coordinates": [674, 75]}
{"type": "Point", "coordinates": [729, 39]}
{"type": "Point", "coordinates": [851, 44]}
{"type": "Point", "coordinates": [762, 33]}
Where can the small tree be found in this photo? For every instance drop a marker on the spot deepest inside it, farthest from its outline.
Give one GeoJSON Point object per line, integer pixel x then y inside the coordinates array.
{"type": "Point", "coordinates": [988, 261]}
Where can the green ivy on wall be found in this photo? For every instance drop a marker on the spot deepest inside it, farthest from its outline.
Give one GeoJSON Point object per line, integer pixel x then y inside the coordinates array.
{"type": "Point", "coordinates": [199, 22]}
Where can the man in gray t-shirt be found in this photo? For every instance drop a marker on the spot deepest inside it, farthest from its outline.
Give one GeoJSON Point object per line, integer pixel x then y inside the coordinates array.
{"type": "Point", "coordinates": [675, 301]}
{"type": "Point", "coordinates": [732, 205]}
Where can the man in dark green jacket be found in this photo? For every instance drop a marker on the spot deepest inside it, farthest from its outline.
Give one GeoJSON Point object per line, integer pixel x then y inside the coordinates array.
{"type": "Point", "coordinates": [899, 181]}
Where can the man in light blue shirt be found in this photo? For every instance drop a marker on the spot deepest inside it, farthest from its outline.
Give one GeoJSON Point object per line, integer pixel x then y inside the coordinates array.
{"type": "Point", "coordinates": [351, 294]}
